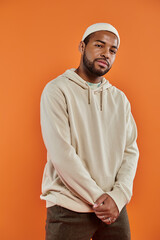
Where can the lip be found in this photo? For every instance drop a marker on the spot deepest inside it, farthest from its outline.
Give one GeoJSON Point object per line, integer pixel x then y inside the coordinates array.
{"type": "Point", "coordinates": [103, 63]}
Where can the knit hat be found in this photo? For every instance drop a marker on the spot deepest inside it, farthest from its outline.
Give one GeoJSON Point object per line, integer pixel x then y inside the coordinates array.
{"type": "Point", "coordinates": [101, 27]}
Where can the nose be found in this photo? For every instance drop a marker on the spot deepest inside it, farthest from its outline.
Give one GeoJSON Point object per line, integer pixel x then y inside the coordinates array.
{"type": "Point", "coordinates": [105, 53]}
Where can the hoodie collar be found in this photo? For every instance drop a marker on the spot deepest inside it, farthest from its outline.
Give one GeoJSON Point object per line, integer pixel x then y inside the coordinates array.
{"type": "Point", "coordinates": [73, 76]}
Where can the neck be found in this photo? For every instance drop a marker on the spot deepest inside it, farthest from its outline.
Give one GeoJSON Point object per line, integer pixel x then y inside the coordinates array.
{"type": "Point", "coordinates": [88, 76]}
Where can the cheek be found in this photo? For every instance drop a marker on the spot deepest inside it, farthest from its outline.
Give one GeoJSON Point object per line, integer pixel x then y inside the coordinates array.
{"type": "Point", "coordinates": [112, 59]}
{"type": "Point", "coordinates": [90, 56]}
{"type": "Point", "coordinates": [92, 53]}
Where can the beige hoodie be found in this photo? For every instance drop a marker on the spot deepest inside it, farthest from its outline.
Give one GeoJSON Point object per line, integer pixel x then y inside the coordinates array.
{"type": "Point", "coordinates": [90, 137]}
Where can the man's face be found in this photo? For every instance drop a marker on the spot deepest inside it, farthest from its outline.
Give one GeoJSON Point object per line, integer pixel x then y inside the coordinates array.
{"type": "Point", "coordinates": [100, 52]}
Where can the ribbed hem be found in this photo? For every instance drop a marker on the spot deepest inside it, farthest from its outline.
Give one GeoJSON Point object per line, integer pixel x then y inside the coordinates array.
{"type": "Point", "coordinates": [75, 205]}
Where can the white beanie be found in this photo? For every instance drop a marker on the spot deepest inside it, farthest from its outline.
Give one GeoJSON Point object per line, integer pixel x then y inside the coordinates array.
{"type": "Point", "coordinates": [101, 27]}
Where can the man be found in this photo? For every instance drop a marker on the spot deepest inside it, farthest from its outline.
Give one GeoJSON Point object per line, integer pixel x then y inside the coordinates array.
{"type": "Point", "coordinates": [92, 155]}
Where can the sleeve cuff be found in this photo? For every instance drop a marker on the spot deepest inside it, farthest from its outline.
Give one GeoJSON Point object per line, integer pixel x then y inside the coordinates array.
{"type": "Point", "coordinates": [119, 198]}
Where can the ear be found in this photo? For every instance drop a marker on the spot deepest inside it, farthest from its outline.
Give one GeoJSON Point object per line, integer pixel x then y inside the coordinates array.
{"type": "Point", "coordinates": [81, 47]}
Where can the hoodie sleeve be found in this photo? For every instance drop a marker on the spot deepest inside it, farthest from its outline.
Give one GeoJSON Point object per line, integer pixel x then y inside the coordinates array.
{"type": "Point", "coordinates": [122, 189]}
{"type": "Point", "coordinates": [56, 135]}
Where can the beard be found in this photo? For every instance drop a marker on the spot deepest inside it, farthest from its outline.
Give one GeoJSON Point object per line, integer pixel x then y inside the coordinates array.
{"type": "Point", "coordinates": [91, 66]}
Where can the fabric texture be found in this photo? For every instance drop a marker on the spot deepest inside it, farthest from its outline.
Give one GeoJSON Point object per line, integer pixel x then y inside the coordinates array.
{"type": "Point", "coordinates": [90, 137]}
{"type": "Point", "coordinates": [101, 27]}
{"type": "Point", "coordinates": [62, 223]}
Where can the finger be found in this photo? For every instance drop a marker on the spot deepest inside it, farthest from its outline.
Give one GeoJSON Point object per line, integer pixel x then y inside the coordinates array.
{"type": "Point", "coordinates": [103, 217]}
{"type": "Point", "coordinates": [103, 208]}
{"type": "Point", "coordinates": [104, 213]}
{"type": "Point", "coordinates": [106, 220]}
{"type": "Point", "coordinates": [107, 215]}
{"type": "Point", "coordinates": [109, 220]}
{"type": "Point", "coordinates": [100, 201]}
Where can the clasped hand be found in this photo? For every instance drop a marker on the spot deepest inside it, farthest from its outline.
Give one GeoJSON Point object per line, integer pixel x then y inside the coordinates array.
{"type": "Point", "coordinates": [106, 209]}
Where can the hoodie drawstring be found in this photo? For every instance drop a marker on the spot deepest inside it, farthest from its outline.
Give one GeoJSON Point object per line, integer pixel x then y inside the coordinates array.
{"type": "Point", "coordinates": [101, 97]}
{"type": "Point", "coordinates": [89, 95]}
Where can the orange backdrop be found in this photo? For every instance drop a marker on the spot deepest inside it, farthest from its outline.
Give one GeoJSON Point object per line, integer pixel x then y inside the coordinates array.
{"type": "Point", "coordinates": [38, 41]}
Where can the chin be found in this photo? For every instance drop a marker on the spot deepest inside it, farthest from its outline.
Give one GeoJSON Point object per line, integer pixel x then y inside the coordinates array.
{"type": "Point", "coordinates": [100, 73]}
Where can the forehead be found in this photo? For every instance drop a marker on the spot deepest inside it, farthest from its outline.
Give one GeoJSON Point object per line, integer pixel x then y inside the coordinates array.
{"type": "Point", "coordinates": [105, 36]}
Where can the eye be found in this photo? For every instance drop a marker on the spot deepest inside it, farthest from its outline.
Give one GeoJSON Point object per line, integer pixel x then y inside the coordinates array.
{"type": "Point", "coordinates": [112, 51]}
{"type": "Point", "coordinates": [98, 45]}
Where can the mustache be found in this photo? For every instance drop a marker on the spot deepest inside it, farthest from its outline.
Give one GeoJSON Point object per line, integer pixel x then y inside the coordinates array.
{"type": "Point", "coordinates": [103, 59]}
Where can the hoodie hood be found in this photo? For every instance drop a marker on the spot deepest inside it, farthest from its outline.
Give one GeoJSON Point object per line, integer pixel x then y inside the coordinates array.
{"type": "Point", "coordinates": [73, 76]}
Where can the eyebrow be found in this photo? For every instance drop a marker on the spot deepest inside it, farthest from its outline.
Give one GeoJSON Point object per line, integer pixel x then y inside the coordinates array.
{"type": "Point", "coordinates": [105, 43]}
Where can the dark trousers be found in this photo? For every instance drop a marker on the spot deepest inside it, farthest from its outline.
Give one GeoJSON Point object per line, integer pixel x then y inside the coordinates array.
{"type": "Point", "coordinates": [64, 224]}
